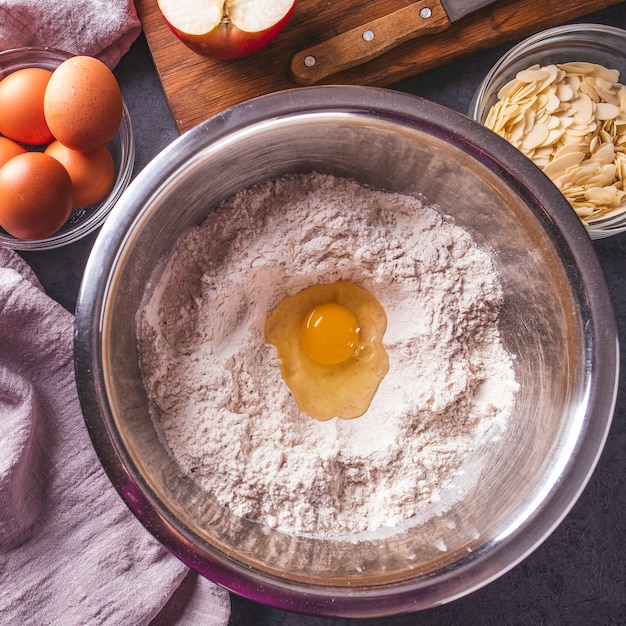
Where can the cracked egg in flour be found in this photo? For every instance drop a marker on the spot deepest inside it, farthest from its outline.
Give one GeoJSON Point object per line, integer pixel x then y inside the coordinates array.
{"type": "Point", "coordinates": [329, 341]}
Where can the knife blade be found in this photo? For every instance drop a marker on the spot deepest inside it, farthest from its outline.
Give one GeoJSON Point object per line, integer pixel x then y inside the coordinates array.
{"type": "Point", "coordinates": [370, 40]}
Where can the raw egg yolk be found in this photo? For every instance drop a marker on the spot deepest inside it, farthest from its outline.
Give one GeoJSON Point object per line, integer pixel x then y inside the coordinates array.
{"type": "Point", "coordinates": [329, 334]}
{"type": "Point", "coordinates": [329, 339]}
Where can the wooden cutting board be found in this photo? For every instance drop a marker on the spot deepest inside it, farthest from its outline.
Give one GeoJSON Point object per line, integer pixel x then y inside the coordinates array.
{"type": "Point", "coordinates": [197, 88]}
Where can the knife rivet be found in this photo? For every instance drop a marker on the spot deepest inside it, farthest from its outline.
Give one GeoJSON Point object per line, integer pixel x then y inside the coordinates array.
{"type": "Point", "coordinates": [425, 13]}
{"type": "Point", "coordinates": [368, 35]}
{"type": "Point", "coordinates": [309, 61]}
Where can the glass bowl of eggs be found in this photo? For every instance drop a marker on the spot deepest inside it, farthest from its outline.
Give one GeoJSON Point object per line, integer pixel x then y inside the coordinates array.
{"type": "Point", "coordinates": [306, 362]}
{"type": "Point", "coordinates": [558, 97]}
{"type": "Point", "coordinates": [46, 215]}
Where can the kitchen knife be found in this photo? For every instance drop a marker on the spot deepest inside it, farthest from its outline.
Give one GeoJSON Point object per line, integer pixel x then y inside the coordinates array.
{"type": "Point", "coordinates": [370, 40]}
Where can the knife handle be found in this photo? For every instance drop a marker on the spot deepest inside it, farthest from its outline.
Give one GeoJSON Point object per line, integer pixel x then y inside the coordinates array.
{"type": "Point", "coordinates": [366, 42]}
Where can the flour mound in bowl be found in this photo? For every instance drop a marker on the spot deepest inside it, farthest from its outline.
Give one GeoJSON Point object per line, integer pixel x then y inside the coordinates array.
{"type": "Point", "coordinates": [227, 415]}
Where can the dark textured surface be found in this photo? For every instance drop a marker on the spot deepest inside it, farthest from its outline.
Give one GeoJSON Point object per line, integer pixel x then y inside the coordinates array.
{"type": "Point", "coordinates": [577, 576]}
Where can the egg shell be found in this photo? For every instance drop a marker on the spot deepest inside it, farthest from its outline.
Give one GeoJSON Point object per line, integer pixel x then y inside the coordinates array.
{"type": "Point", "coordinates": [92, 173]}
{"type": "Point", "coordinates": [35, 196]}
{"type": "Point", "coordinates": [9, 149]}
{"type": "Point", "coordinates": [83, 104]}
{"type": "Point", "coordinates": [21, 106]}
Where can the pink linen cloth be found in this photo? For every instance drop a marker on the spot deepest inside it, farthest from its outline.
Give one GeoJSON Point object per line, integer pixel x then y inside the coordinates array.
{"type": "Point", "coordinates": [101, 28]}
{"type": "Point", "coordinates": [71, 552]}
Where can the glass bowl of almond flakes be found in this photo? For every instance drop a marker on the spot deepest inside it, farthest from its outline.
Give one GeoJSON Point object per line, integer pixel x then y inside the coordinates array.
{"type": "Point", "coordinates": [559, 97]}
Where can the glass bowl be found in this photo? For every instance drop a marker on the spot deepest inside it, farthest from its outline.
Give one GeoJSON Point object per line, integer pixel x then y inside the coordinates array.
{"type": "Point", "coordinates": [593, 43]}
{"type": "Point", "coordinates": [81, 221]}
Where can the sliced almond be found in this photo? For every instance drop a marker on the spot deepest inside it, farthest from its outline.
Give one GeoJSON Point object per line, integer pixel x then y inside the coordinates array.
{"type": "Point", "coordinates": [570, 119]}
{"type": "Point", "coordinates": [606, 111]}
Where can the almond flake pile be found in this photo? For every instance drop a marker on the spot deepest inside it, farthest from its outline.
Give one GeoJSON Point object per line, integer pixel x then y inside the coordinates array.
{"type": "Point", "coordinates": [570, 120]}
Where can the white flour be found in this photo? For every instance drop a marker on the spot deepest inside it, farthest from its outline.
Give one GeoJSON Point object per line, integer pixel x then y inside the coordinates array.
{"type": "Point", "coordinates": [228, 416]}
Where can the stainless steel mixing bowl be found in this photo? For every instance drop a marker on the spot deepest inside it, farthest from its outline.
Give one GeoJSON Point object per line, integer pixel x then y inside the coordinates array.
{"type": "Point", "coordinates": [557, 321]}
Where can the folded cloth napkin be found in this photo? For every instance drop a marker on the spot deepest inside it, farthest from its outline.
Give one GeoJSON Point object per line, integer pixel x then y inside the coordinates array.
{"type": "Point", "coordinates": [70, 551]}
{"type": "Point", "coordinates": [101, 28]}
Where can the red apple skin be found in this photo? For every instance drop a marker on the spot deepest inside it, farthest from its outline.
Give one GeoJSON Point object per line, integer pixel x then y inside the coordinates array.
{"type": "Point", "coordinates": [226, 41]}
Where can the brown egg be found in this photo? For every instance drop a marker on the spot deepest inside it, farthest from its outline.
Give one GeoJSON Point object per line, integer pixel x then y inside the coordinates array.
{"type": "Point", "coordinates": [9, 149]}
{"type": "Point", "coordinates": [92, 173]}
{"type": "Point", "coordinates": [83, 104]}
{"type": "Point", "coordinates": [35, 196]}
{"type": "Point", "coordinates": [21, 106]}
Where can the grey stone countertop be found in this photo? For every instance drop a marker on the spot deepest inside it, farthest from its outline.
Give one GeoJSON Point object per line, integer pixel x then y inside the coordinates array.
{"type": "Point", "coordinates": [578, 575]}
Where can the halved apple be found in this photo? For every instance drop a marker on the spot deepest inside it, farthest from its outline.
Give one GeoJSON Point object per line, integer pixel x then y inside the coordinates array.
{"type": "Point", "coordinates": [226, 29]}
